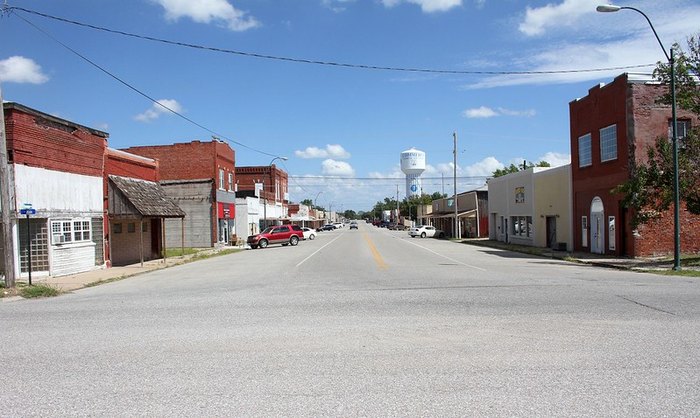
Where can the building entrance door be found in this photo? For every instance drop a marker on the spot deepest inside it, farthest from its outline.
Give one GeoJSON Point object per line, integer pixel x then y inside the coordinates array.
{"type": "Point", "coordinates": [598, 226]}
{"type": "Point", "coordinates": [551, 231]}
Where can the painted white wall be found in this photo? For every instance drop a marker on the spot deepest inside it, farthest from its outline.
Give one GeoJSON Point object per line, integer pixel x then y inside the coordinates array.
{"type": "Point", "coordinates": [56, 191]}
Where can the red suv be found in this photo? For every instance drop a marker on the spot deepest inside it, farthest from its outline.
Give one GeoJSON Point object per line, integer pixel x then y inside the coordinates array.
{"type": "Point", "coordinates": [280, 234]}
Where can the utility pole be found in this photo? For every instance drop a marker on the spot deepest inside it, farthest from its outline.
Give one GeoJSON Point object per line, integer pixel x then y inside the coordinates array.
{"type": "Point", "coordinates": [398, 213]}
{"type": "Point", "coordinates": [6, 190]}
{"type": "Point", "coordinates": [454, 173]}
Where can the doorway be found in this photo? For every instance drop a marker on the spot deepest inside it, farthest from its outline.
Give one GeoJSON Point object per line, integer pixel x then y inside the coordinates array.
{"type": "Point", "coordinates": [598, 226]}
{"type": "Point", "coordinates": [551, 231]}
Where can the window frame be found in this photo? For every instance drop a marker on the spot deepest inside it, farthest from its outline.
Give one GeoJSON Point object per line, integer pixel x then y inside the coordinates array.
{"type": "Point", "coordinates": [71, 231]}
{"type": "Point", "coordinates": [587, 138]}
{"type": "Point", "coordinates": [608, 145]}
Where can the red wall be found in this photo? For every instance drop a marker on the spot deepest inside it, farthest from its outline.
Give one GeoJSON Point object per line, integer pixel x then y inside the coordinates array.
{"type": "Point", "coordinates": [39, 140]}
{"type": "Point", "coordinates": [191, 160]}
{"type": "Point", "coordinates": [640, 121]}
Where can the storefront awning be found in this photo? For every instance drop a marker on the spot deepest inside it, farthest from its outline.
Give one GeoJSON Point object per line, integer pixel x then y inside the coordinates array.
{"type": "Point", "coordinates": [136, 197]}
{"type": "Point", "coordinates": [465, 214]}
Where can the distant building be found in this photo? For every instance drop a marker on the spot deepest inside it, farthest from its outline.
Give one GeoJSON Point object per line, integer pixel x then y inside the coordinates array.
{"type": "Point", "coordinates": [271, 185]}
{"type": "Point", "coordinates": [200, 177]}
{"type": "Point", "coordinates": [472, 212]}
{"type": "Point", "coordinates": [532, 207]}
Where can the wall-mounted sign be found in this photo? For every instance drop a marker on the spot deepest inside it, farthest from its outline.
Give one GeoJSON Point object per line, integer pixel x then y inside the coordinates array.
{"type": "Point", "coordinates": [519, 195]}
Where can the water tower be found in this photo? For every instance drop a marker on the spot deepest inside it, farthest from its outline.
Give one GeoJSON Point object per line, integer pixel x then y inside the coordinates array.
{"type": "Point", "coordinates": [413, 165]}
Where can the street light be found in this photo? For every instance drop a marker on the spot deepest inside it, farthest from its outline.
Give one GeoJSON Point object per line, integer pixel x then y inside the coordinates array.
{"type": "Point", "coordinates": [316, 200]}
{"type": "Point", "coordinates": [270, 176]}
{"type": "Point", "coordinates": [609, 8]}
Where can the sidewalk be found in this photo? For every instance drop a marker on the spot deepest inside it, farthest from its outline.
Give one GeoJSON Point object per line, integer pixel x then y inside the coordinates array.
{"type": "Point", "coordinates": [622, 263]}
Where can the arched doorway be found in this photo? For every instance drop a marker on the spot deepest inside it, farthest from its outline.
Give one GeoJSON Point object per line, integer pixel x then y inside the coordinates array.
{"type": "Point", "coordinates": [598, 227]}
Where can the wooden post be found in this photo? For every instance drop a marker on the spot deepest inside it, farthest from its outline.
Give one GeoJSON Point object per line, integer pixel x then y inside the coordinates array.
{"type": "Point", "coordinates": [7, 190]}
{"type": "Point", "coordinates": [182, 236]}
{"type": "Point", "coordinates": [141, 239]}
{"type": "Point", "coordinates": [162, 234]}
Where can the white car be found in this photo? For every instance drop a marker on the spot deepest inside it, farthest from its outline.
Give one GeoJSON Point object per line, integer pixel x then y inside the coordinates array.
{"type": "Point", "coordinates": [309, 233]}
{"type": "Point", "coordinates": [424, 231]}
{"type": "Point", "coordinates": [338, 225]}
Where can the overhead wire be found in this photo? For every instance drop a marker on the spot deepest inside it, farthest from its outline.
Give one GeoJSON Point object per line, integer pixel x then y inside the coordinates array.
{"type": "Point", "coordinates": [139, 92]}
{"type": "Point", "coordinates": [314, 61]}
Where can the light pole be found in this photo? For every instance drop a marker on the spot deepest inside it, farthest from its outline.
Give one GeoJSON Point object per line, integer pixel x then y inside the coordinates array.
{"type": "Point", "coordinates": [607, 8]}
{"type": "Point", "coordinates": [454, 174]}
{"type": "Point", "coordinates": [316, 199]}
{"type": "Point", "coordinates": [269, 172]}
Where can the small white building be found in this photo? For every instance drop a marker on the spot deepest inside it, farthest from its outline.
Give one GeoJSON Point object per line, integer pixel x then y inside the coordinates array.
{"type": "Point", "coordinates": [532, 207]}
{"type": "Point", "coordinates": [247, 217]}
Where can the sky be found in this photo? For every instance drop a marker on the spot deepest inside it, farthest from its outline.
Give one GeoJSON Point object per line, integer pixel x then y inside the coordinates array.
{"type": "Point", "coordinates": [341, 127]}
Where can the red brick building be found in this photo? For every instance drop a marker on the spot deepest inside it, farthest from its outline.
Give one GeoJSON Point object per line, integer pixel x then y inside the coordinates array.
{"type": "Point", "coordinates": [611, 129]}
{"type": "Point", "coordinates": [270, 184]}
{"type": "Point", "coordinates": [56, 167]}
{"type": "Point", "coordinates": [201, 177]}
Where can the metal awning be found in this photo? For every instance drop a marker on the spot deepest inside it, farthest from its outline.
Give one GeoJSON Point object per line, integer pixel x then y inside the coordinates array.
{"type": "Point", "coordinates": [465, 214]}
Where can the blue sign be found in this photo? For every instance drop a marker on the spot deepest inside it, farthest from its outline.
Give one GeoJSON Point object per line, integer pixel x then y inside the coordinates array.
{"type": "Point", "coordinates": [414, 188]}
{"type": "Point", "coordinates": [27, 211]}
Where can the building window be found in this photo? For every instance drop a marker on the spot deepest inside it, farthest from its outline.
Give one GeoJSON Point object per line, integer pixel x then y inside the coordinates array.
{"type": "Point", "coordinates": [144, 227]}
{"type": "Point", "coordinates": [522, 226]}
{"type": "Point", "coordinates": [608, 143]}
{"type": "Point", "coordinates": [131, 227]}
{"type": "Point", "coordinates": [584, 231]}
{"type": "Point", "coordinates": [73, 230]}
{"type": "Point", "coordinates": [117, 228]}
{"type": "Point", "coordinates": [682, 128]}
{"type": "Point", "coordinates": [230, 182]}
{"type": "Point", "coordinates": [222, 185]}
{"type": "Point", "coordinates": [584, 151]}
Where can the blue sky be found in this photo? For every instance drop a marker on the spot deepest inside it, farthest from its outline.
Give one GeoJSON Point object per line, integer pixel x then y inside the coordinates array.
{"type": "Point", "coordinates": [341, 128]}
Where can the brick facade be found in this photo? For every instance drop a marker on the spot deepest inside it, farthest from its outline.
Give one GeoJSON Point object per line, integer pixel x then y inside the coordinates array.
{"type": "Point", "coordinates": [214, 161]}
{"type": "Point", "coordinates": [632, 108]}
{"type": "Point", "coordinates": [275, 181]}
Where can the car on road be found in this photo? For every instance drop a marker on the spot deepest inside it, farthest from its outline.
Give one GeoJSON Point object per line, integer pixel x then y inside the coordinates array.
{"type": "Point", "coordinates": [327, 227]}
{"type": "Point", "coordinates": [338, 225]}
{"type": "Point", "coordinates": [424, 231]}
{"type": "Point", "coordinates": [309, 233]}
{"type": "Point", "coordinates": [280, 234]}
{"type": "Point", "coordinates": [353, 225]}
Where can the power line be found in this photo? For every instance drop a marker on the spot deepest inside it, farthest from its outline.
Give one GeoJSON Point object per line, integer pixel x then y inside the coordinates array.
{"type": "Point", "coordinates": [141, 93]}
{"type": "Point", "coordinates": [317, 62]}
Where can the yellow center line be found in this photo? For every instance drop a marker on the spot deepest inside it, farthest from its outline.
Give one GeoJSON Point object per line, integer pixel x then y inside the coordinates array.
{"type": "Point", "coordinates": [377, 257]}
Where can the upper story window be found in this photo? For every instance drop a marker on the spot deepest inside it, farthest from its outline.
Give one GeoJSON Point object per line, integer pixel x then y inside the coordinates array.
{"type": "Point", "coordinates": [222, 185]}
{"type": "Point", "coordinates": [584, 151]}
{"type": "Point", "coordinates": [608, 143]}
{"type": "Point", "coordinates": [230, 182]}
{"type": "Point", "coordinates": [682, 128]}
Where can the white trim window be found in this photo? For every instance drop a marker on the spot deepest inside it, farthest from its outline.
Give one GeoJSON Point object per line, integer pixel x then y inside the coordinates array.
{"type": "Point", "coordinates": [222, 185]}
{"type": "Point", "coordinates": [584, 151]}
{"type": "Point", "coordinates": [65, 231]}
{"type": "Point", "coordinates": [608, 143]}
{"type": "Point", "coordinates": [230, 182]}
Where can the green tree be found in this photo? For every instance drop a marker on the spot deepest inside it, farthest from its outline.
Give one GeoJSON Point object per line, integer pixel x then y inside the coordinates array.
{"type": "Point", "coordinates": [515, 168]}
{"type": "Point", "coordinates": [649, 190]}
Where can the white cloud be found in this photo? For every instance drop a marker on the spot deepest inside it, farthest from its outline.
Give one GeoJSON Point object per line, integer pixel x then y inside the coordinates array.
{"type": "Point", "coordinates": [487, 112]}
{"type": "Point", "coordinates": [207, 11]}
{"type": "Point", "coordinates": [18, 69]}
{"type": "Point", "coordinates": [331, 151]}
{"type": "Point", "coordinates": [566, 13]}
{"type": "Point", "coordinates": [157, 110]}
{"type": "Point", "coordinates": [556, 159]}
{"type": "Point", "coordinates": [428, 6]}
{"type": "Point", "coordinates": [337, 6]}
{"type": "Point", "coordinates": [332, 167]}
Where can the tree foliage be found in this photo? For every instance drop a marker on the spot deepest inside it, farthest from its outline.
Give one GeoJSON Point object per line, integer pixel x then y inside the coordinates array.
{"type": "Point", "coordinates": [649, 191]}
{"type": "Point", "coordinates": [515, 168]}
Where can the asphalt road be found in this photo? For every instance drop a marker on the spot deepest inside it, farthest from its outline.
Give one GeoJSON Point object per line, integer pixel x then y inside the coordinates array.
{"type": "Point", "coordinates": [359, 323]}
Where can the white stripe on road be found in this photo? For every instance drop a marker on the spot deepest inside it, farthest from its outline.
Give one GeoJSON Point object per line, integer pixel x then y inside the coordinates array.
{"type": "Point", "coordinates": [315, 252]}
{"type": "Point", "coordinates": [443, 256]}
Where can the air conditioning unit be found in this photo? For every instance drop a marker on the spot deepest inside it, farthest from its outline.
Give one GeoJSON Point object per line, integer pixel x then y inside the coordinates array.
{"type": "Point", "coordinates": [58, 239]}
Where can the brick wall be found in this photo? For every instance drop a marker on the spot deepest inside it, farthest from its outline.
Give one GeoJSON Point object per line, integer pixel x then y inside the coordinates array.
{"type": "Point", "coordinates": [269, 175]}
{"type": "Point", "coordinates": [40, 140]}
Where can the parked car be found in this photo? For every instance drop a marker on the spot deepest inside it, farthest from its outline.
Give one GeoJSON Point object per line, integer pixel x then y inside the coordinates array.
{"type": "Point", "coordinates": [309, 233]}
{"type": "Point", "coordinates": [280, 234]}
{"type": "Point", "coordinates": [424, 231]}
{"type": "Point", "coordinates": [353, 225]}
{"type": "Point", "coordinates": [328, 227]}
{"type": "Point", "coordinates": [338, 224]}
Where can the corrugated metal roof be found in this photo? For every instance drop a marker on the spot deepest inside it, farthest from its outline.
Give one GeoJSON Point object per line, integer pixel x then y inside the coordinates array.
{"type": "Point", "coordinates": [149, 198]}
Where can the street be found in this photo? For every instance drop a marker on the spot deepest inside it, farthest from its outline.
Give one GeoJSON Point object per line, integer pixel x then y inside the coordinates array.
{"type": "Point", "coordinates": [365, 322]}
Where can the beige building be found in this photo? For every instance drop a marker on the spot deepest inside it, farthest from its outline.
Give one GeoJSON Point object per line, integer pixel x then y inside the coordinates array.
{"type": "Point", "coordinates": [532, 207]}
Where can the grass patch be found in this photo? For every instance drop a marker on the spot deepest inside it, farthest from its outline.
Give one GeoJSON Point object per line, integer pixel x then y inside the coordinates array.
{"type": "Point", "coordinates": [177, 252]}
{"type": "Point", "coordinates": [681, 273]}
{"type": "Point", "coordinates": [206, 254]}
{"type": "Point", "coordinates": [38, 291]}
{"type": "Point", "coordinates": [99, 282]}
